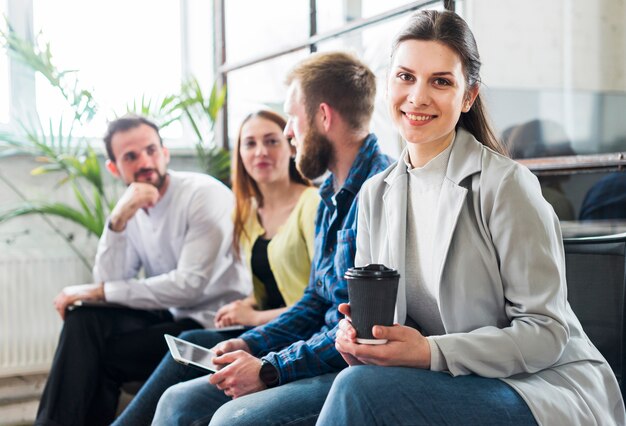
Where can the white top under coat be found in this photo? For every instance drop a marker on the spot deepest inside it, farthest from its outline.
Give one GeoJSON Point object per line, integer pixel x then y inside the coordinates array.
{"type": "Point", "coordinates": [422, 286]}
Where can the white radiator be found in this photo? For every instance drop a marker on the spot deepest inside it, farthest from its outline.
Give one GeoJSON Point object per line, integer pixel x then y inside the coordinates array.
{"type": "Point", "coordinates": [29, 324]}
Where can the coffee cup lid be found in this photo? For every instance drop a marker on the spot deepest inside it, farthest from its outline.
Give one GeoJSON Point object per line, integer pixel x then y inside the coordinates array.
{"type": "Point", "coordinates": [373, 270]}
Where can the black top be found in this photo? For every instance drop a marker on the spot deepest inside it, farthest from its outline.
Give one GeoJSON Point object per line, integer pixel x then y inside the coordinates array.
{"type": "Point", "coordinates": [261, 269]}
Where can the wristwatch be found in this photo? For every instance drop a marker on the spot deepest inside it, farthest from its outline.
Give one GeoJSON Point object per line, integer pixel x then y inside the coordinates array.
{"type": "Point", "coordinates": [268, 374]}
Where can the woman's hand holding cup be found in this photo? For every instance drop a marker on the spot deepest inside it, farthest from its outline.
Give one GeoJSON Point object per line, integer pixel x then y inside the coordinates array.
{"type": "Point", "coordinates": [346, 336]}
{"type": "Point", "coordinates": [368, 334]}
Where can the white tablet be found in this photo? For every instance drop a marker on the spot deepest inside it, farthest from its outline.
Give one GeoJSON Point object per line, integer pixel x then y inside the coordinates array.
{"type": "Point", "coordinates": [189, 354]}
{"type": "Point", "coordinates": [96, 304]}
{"type": "Point", "coordinates": [241, 328]}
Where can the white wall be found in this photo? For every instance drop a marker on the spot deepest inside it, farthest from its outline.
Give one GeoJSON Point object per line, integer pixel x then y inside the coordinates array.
{"type": "Point", "coordinates": [556, 44]}
{"type": "Point", "coordinates": [557, 60]}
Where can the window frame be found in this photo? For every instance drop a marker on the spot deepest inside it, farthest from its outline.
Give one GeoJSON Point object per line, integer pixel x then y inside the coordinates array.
{"type": "Point", "coordinates": [223, 67]}
{"type": "Point", "coordinates": [22, 79]}
{"type": "Point", "coordinates": [615, 161]}
{"type": "Point", "coordinates": [22, 100]}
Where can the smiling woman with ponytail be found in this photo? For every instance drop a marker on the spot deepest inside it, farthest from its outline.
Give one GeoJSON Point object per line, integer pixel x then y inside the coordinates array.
{"type": "Point", "coordinates": [485, 334]}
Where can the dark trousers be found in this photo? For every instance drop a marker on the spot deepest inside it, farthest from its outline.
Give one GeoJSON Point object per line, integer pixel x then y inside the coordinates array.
{"type": "Point", "coordinates": [99, 349]}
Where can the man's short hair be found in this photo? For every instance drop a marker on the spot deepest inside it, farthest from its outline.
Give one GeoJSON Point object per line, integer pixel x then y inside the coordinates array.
{"type": "Point", "coordinates": [340, 80]}
{"type": "Point", "coordinates": [123, 124]}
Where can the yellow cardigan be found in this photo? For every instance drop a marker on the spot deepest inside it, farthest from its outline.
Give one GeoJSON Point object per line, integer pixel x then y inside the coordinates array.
{"type": "Point", "coordinates": [290, 252]}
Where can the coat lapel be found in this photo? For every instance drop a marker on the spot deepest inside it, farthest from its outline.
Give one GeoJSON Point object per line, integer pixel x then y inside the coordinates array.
{"type": "Point", "coordinates": [449, 208]}
{"type": "Point", "coordinates": [394, 200]}
{"type": "Point", "coordinates": [465, 161]}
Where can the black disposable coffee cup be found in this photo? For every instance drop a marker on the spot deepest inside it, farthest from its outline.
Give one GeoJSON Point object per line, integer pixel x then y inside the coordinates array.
{"type": "Point", "coordinates": [372, 291]}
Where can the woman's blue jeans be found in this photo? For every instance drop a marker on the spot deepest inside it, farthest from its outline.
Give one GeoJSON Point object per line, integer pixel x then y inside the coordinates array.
{"type": "Point", "coordinates": [370, 395]}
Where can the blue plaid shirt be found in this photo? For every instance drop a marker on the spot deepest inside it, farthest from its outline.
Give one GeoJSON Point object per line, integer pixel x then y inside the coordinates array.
{"type": "Point", "coordinates": [301, 342]}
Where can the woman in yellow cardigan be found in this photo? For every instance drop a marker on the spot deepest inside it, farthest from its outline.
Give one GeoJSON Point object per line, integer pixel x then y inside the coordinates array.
{"type": "Point", "coordinates": [273, 232]}
{"type": "Point", "coordinates": [274, 221]}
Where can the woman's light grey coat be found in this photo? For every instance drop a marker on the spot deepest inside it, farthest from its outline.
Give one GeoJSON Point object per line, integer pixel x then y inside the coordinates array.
{"type": "Point", "coordinates": [502, 289]}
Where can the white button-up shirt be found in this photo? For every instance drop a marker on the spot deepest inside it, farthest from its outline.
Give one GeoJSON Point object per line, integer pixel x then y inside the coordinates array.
{"type": "Point", "coordinates": [184, 244]}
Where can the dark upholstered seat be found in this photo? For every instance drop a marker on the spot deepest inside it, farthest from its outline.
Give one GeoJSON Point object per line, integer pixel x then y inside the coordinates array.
{"type": "Point", "coordinates": [596, 282]}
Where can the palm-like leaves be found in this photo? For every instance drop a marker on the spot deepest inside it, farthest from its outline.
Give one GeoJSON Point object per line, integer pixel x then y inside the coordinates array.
{"type": "Point", "coordinates": [197, 108]}
{"type": "Point", "coordinates": [201, 113]}
{"type": "Point", "coordinates": [38, 57]}
{"type": "Point", "coordinates": [83, 172]}
{"type": "Point", "coordinates": [162, 111]}
{"type": "Point", "coordinates": [58, 151]}
{"type": "Point", "coordinates": [94, 224]}
{"type": "Point", "coordinates": [55, 148]}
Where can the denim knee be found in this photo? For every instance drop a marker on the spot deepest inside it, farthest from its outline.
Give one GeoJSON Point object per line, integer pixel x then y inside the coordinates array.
{"type": "Point", "coordinates": [355, 377]}
{"type": "Point", "coordinates": [173, 402]}
{"type": "Point", "coordinates": [234, 413]}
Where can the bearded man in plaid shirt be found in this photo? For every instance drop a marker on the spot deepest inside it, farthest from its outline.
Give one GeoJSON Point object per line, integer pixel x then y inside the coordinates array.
{"type": "Point", "coordinates": [281, 372]}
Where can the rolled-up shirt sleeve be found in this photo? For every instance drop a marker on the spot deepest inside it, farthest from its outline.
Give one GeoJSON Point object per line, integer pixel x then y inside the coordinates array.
{"type": "Point", "coordinates": [116, 258]}
{"type": "Point", "coordinates": [313, 352]}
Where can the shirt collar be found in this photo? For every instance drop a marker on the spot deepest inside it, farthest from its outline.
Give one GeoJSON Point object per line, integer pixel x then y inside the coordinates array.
{"type": "Point", "coordinates": [358, 172]}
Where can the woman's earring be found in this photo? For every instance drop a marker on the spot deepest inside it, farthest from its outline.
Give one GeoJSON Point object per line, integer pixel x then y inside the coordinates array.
{"type": "Point", "coordinates": [467, 106]}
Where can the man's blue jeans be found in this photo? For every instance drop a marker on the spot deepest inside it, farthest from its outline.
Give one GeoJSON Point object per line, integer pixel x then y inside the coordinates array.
{"type": "Point", "coordinates": [370, 395]}
{"type": "Point", "coordinates": [197, 402]}
{"type": "Point", "coordinates": [168, 373]}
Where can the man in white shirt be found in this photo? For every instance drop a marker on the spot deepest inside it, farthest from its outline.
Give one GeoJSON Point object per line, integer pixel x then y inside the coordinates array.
{"type": "Point", "coordinates": [177, 227]}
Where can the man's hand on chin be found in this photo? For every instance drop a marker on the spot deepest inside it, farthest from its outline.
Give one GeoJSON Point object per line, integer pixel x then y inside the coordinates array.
{"type": "Point", "coordinates": [138, 195]}
{"type": "Point", "coordinates": [71, 294]}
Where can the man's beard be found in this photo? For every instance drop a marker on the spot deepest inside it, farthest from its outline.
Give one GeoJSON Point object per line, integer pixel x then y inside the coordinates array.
{"type": "Point", "coordinates": [316, 152]}
{"type": "Point", "coordinates": [160, 177]}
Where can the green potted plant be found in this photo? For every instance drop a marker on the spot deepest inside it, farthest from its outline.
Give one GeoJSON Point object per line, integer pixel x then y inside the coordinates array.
{"type": "Point", "coordinates": [58, 151]}
{"type": "Point", "coordinates": [56, 148]}
{"type": "Point", "coordinates": [192, 106]}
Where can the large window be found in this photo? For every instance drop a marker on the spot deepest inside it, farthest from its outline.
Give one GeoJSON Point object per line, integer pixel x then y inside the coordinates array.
{"type": "Point", "coordinates": [555, 83]}
{"type": "Point", "coordinates": [554, 79]}
{"type": "Point", "coordinates": [554, 73]}
{"type": "Point", "coordinates": [258, 86]}
{"type": "Point", "coordinates": [373, 45]}
{"type": "Point", "coordinates": [254, 81]}
{"type": "Point", "coordinates": [137, 51]}
{"type": "Point", "coordinates": [333, 14]}
{"type": "Point", "coordinates": [560, 73]}
{"type": "Point", "coordinates": [256, 27]}
{"type": "Point", "coordinates": [120, 51]}
{"type": "Point", "coordinates": [4, 73]}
